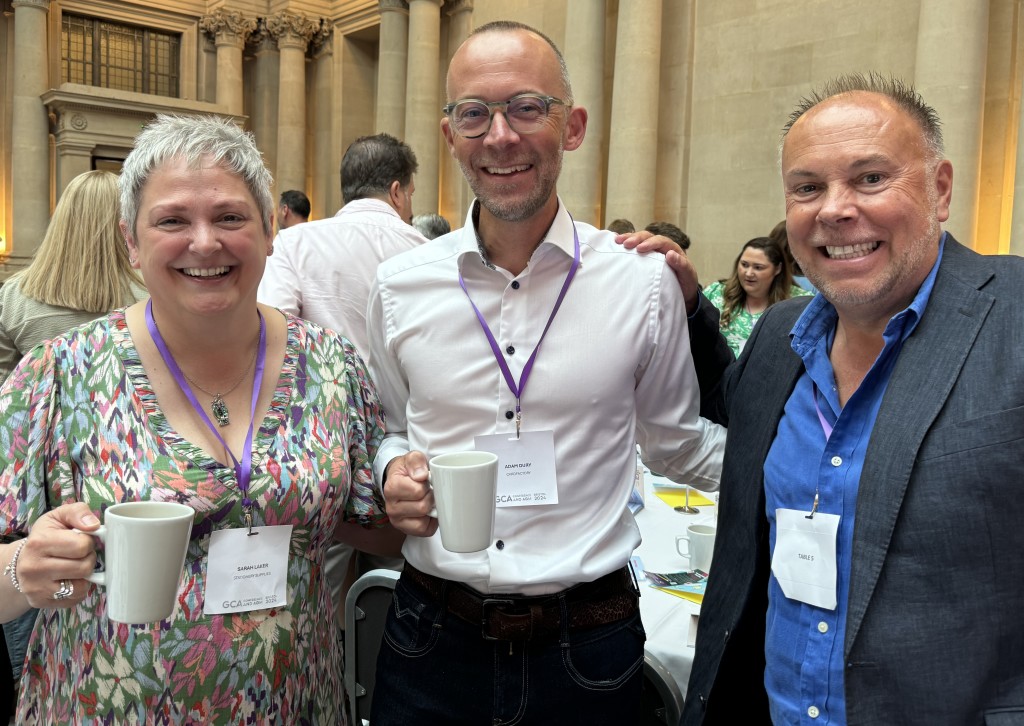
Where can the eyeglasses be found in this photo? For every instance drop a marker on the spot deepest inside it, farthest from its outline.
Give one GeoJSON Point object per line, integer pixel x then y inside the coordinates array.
{"type": "Point", "coordinates": [525, 113]}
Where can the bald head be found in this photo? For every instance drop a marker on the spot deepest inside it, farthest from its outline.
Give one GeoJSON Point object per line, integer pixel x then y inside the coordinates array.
{"type": "Point", "coordinates": [479, 35]}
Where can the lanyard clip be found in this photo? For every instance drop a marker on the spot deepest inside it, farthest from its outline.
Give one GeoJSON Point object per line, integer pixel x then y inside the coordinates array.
{"type": "Point", "coordinates": [248, 521]}
{"type": "Point", "coordinates": [814, 507]}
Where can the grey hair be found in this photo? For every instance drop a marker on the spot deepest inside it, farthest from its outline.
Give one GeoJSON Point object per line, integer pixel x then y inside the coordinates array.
{"type": "Point", "coordinates": [191, 138]}
{"type": "Point", "coordinates": [898, 91]}
{"type": "Point", "coordinates": [506, 26]}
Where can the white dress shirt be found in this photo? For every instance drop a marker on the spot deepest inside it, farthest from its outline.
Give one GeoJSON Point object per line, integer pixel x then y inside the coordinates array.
{"type": "Point", "coordinates": [322, 271]}
{"type": "Point", "coordinates": [614, 371]}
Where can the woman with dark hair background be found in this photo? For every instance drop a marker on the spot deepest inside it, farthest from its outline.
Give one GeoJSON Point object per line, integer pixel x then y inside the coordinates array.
{"type": "Point", "coordinates": [760, 278]}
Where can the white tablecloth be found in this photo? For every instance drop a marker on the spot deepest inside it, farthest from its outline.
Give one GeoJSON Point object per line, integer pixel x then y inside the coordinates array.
{"type": "Point", "coordinates": [667, 618]}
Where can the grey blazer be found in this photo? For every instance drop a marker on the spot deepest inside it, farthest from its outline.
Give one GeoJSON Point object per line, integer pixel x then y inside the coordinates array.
{"type": "Point", "coordinates": [935, 617]}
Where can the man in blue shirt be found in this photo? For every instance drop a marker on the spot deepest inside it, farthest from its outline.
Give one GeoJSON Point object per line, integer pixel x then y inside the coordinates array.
{"type": "Point", "coordinates": [869, 566]}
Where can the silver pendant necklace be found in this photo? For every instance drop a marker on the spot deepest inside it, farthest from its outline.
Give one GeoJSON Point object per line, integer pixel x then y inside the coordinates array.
{"type": "Point", "coordinates": [218, 406]}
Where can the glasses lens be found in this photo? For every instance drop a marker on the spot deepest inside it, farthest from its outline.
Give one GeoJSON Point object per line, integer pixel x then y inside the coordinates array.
{"type": "Point", "coordinates": [526, 113]}
{"type": "Point", "coordinates": [470, 117]}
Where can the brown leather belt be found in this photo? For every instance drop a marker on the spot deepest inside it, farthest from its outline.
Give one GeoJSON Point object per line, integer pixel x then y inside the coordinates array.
{"type": "Point", "coordinates": [521, 618]}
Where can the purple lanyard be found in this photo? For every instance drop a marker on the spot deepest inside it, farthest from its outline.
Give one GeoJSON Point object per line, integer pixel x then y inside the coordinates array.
{"type": "Point", "coordinates": [243, 470]}
{"type": "Point", "coordinates": [827, 428]}
{"type": "Point", "coordinates": [825, 425]}
{"type": "Point", "coordinates": [517, 390]}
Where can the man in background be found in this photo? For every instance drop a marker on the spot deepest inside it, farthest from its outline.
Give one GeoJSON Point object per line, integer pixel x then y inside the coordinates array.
{"type": "Point", "coordinates": [293, 209]}
{"type": "Point", "coordinates": [431, 226]}
{"type": "Point", "coordinates": [322, 270]}
{"type": "Point", "coordinates": [672, 231]}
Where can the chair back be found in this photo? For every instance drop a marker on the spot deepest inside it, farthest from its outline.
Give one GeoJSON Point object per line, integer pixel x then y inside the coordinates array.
{"type": "Point", "coordinates": [366, 611]}
{"type": "Point", "coordinates": [669, 698]}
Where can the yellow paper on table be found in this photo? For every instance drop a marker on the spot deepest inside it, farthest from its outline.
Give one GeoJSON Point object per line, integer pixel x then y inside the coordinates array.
{"type": "Point", "coordinates": [677, 497]}
{"type": "Point", "coordinates": [691, 596]}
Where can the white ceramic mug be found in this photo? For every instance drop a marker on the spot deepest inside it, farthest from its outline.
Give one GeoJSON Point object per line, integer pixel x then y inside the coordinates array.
{"type": "Point", "coordinates": [465, 485]}
{"type": "Point", "coordinates": [699, 545]}
{"type": "Point", "coordinates": [144, 550]}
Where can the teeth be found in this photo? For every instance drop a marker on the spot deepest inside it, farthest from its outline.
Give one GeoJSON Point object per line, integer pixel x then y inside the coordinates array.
{"type": "Point", "coordinates": [205, 271]}
{"type": "Point", "coordinates": [849, 252]}
{"type": "Point", "coordinates": [506, 169]}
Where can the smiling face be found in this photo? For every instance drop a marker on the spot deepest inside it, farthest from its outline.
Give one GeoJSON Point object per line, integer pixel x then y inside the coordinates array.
{"type": "Point", "coordinates": [756, 273]}
{"type": "Point", "coordinates": [512, 175]}
{"type": "Point", "coordinates": [864, 201]}
{"type": "Point", "coordinates": [199, 240]}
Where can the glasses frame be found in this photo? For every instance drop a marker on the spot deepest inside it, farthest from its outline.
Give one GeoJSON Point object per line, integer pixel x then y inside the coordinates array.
{"type": "Point", "coordinates": [493, 106]}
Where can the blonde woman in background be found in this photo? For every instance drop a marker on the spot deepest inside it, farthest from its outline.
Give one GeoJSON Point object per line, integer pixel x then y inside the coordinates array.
{"type": "Point", "coordinates": [80, 272]}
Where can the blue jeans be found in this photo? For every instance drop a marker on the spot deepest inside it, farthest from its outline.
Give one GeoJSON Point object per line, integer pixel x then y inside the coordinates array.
{"type": "Point", "coordinates": [435, 668]}
{"type": "Point", "coordinates": [17, 632]}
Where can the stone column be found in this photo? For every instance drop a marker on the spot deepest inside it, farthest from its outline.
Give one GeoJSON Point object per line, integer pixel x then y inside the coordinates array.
{"type": "Point", "coordinates": [293, 33]}
{"type": "Point", "coordinates": [954, 84]}
{"type": "Point", "coordinates": [392, 61]}
{"type": "Point", "coordinates": [229, 29]}
{"type": "Point", "coordinates": [633, 155]}
{"type": "Point", "coordinates": [422, 111]}
{"type": "Point", "coordinates": [30, 132]}
{"type": "Point", "coordinates": [455, 194]}
{"type": "Point", "coordinates": [1017, 220]}
{"type": "Point", "coordinates": [325, 194]}
{"type": "Point", "coordinates": [580, 184]}
{"type": "Point", "coordinates": [263, 116]}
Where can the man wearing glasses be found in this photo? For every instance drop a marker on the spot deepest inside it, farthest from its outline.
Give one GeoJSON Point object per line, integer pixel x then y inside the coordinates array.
{"type": "Point", "coordinates": [522, 334]}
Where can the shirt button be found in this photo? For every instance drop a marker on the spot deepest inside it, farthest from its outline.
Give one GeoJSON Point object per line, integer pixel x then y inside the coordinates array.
{"type": "Point", "coordinates": [813, 712]}
{"type": "Point", "coordinates": [509, 415]}
{"type": "Point", "coordinates": [822, 627]}
{"type": "Point", "coordinates": [511, 350]}
{"type": "Point", "coordinates": [499, 544]}
{"type": "Point", "coordinates": [837, 461]}
{"type": "Point", "coordinates": [515, 284]}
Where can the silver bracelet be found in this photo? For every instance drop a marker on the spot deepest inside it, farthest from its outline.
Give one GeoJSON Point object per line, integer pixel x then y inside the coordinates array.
{"type": "Point", "coordinates": [12, 568]}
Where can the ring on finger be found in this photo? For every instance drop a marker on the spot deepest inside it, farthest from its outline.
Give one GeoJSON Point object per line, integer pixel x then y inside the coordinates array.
{"type": "Point", "coordinates": [67, 589]}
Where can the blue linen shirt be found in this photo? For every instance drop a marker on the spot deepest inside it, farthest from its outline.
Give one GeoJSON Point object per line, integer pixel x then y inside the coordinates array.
{"type": "Point", "coordinates": [804, 643]}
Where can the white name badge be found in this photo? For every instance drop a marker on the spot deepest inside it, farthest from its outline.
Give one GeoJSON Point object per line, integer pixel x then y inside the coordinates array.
{"type": "Point", "coordinates": [526, 467]}
{"type": "Point", "coordinates": [247, 573]}
{"type": "Point", "coordinates": [804, 560]}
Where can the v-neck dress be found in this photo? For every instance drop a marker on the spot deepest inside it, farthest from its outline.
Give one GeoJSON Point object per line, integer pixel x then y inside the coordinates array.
{"type": "Point", "coordinates": [81, 423]}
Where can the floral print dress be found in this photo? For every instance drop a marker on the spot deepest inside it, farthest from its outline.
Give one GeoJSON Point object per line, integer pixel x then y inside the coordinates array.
{"type": "Point", "coordinates": [82, 424]}
{"type": "Point", "coordinates": [742, 323]}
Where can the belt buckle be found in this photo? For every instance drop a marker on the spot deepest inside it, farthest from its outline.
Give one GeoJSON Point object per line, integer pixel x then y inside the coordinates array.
{"type": "Point", "coordinates": [484, 620]}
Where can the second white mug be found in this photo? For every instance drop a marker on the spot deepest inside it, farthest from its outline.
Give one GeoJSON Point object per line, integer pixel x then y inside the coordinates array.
{"type": "Point", "coordinates": [465, 485]}
{"type": "Point", "coordinates": [699, 542]}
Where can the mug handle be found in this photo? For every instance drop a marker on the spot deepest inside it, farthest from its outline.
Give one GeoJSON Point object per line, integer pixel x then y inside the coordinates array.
{"type": "Point", "coordinates": [99, 578]}
{"type": "Point", "coordinates": [683, 538]}
{"type": "Point", "coordinates": [433, 511]}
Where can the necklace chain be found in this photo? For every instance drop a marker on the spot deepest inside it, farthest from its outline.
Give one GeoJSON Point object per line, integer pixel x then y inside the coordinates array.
{"type": "Point", "coordinates": [234, 385]}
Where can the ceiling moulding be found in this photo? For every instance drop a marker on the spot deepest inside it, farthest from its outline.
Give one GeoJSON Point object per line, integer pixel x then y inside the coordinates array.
{"type": "Point", "coordinates": [138, 13]}
{"type": "Point", "coordinates": [352, 15]}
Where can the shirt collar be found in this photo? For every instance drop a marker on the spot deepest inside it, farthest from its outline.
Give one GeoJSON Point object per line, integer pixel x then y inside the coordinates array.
{"type": "Point", "coordinates": [819, 318]}
{"type": "Point", "coordinates": [368, 204]}
{"type": "Point", "coordinates": [559, 234]}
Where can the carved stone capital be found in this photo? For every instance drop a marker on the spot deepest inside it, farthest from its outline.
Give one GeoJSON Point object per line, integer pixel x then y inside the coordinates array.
{"type": "Point", "coordinates": [394, 5]}
{"type": "Point", "coordinates": [323, 41]}
{"type": "Point", "coordinates": [227, 25]}
{"type": "Point", "coordinates": [291, 29]}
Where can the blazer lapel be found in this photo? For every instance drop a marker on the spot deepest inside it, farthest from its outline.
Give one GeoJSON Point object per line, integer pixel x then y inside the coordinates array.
{"type": "Point", "coordinates": [939, 345]}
